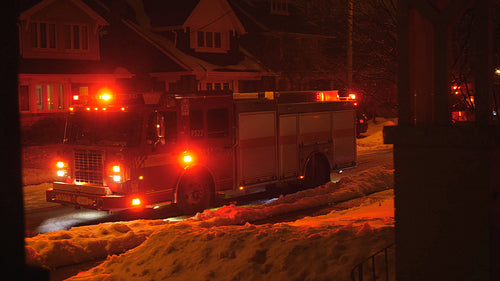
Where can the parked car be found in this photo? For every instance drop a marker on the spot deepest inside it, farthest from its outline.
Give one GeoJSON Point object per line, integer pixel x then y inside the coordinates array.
{"type": "Point", "coordinates": [362, 123]}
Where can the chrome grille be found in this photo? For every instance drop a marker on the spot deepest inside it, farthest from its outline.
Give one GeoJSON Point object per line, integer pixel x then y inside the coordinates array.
{"type": "Point", "coordinates": [89, 167]}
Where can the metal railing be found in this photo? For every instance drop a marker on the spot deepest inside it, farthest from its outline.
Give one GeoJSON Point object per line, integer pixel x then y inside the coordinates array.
{"type": "Point", "coordinates": [370, 268]}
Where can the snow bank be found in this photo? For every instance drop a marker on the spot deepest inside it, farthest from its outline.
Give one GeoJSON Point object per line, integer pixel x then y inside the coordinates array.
{"type": "Point", "coordinates": [88, 243]}
{"type": "Point", "coordinates": [373, 139]}
{"type": "Point", "coordinates": [249, 252]}
{"type": "Point", "coordinates": [314, 248]}
{"type": "Point", "coordinates": [367, 182]}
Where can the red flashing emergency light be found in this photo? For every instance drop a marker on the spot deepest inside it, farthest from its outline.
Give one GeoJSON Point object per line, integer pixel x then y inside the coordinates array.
{"type": "Point", "coordinates": [104, 94]}
{"type": "Point", "coordinates": [186, 159]}
{"type": "Point", "coordinates": [105, 97]}
{"type": "Point", "coordinates": [136, 203]}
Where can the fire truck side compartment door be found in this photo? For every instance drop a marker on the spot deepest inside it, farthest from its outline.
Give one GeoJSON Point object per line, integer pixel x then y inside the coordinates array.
{"type": "Point", "coordinates": [256, 153]}
{"type": "Point", "coordinates": [288, 146]}
{"type": "Point", "coordinates": [314, 128]}
{"type": "Point", "coordinates": [344, 138]}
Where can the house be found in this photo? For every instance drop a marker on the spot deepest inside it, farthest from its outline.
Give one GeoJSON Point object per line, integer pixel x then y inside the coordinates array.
{"type": "Point", "coordinates": [284, 39]}
{"type": "Point", "coordinates": [73, 48]}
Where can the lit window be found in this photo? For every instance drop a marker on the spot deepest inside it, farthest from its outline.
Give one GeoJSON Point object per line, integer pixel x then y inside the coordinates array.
{"type": "Point", "coordinates": [47, 96]}
{"type": "Point", "coordinates": [50, 97]}
{"type": "Point", "coordinates": [39, 97]}
{"type": "Point", "coordinates": [60, 97]}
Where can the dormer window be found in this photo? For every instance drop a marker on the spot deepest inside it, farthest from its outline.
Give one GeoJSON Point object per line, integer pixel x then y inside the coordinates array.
{"type": "Point", "coordinates": [279, 7]}
{"type": "Point", "coordinates": [42, 35]}
{"type": "Point", "coordinates": [208, 39]}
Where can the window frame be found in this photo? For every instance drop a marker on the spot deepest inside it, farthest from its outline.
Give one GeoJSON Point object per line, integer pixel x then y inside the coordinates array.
{"type": "Point", "coordinates": [279, 7]}
{"type": "Point", "coordinates": [76, 37]}
{"type": "Point", "coordinates": [210, 41]}
{"type": "Point", "coordinates": [49, 97]}
{"type": "Point", "coordinates": [43, 35]}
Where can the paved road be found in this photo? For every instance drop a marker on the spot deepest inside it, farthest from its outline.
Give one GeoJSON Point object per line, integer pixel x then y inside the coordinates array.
{"type": "Point", "coordinates": [61, 217]}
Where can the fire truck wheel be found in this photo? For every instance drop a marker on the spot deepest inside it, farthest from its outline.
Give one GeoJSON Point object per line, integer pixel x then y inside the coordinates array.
{"type": "Point", "coordinates": [194, 193]}
{"type": "Point", "coordinates": [317, 171]}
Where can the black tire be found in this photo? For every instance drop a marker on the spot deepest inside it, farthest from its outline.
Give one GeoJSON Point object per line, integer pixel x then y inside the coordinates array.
{"type": "Point", "coordinates": [195, 193]}
{"type": "Point", "coordinates": [317, 171]}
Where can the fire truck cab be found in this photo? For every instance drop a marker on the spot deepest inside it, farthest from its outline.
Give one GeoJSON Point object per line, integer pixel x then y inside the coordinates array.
{"type": "Point", "coordinates": [187, 149]}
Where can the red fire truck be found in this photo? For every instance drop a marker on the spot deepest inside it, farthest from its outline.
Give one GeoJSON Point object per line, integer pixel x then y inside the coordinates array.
{"type": "Point", "coordinates": [187, 149]}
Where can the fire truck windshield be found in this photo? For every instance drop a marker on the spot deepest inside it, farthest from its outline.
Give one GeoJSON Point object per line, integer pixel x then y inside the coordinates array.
{"type": "Point", "coordinates": [104, 128]}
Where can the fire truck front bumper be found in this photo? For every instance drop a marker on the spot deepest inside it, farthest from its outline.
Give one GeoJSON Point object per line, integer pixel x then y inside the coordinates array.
{"type": "Point", "coordinates": [70, 194]}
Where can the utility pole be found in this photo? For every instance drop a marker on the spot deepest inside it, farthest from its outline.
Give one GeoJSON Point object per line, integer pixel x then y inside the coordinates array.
{"type": "Point", "coordinates": [349, 45]}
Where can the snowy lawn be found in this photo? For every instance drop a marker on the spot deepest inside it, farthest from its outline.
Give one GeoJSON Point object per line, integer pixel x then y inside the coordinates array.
{"type": "Point", "coordinates": [222, 244]}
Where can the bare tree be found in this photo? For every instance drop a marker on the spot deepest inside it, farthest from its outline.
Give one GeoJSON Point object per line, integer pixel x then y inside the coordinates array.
{"type": "Point", "coordinates": [374, 48]}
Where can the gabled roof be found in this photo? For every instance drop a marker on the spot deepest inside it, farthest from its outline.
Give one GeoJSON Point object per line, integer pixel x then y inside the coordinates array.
{"type": "Point", "coordinates": [45, 3]}
{"type": "Point", "coordinates": [191, 63]}
{"type": "Point", "coordinates": [164, 13]}
{"type": "Point", "coordinates": [214, 12]}
{"type": "Point", "coordinates": [127, 44]}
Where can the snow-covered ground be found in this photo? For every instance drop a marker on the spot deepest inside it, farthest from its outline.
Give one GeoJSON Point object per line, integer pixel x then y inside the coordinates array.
{"type": "Point", "coordinates": [224, 244]}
